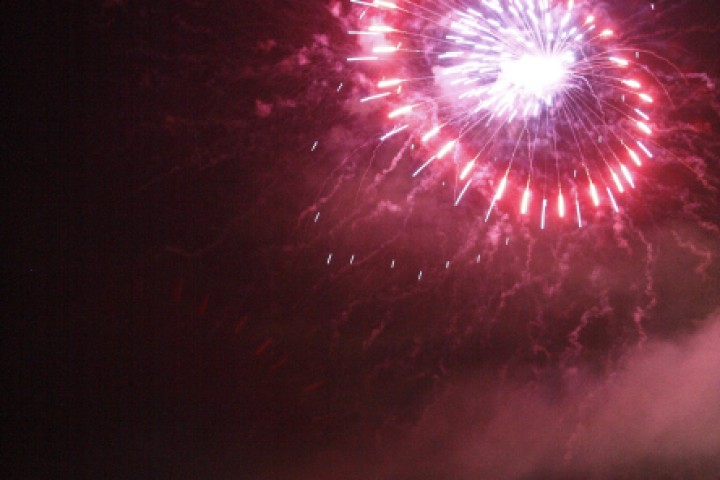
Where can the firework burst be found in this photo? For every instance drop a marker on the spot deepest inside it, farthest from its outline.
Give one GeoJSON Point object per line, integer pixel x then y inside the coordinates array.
{"type": "Point", "coordinates": [541, 99]}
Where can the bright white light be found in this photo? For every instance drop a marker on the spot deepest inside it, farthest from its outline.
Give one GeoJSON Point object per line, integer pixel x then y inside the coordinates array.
{"type": "Point", "coordinates": [540, 75]}
{"type": "Point", "coordinates": [508, 60]}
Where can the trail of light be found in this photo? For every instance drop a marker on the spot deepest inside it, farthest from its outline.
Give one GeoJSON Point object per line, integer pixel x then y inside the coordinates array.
{"type": "Point", "coordinates": [431, 133]}
{"type": "Point", "coordinates": [422, 167]}
{"type": "Point", "coordinates": [617, 181]}
{"type": "Point", "coordinates": [501, 188]}
{"type": "Point", "coordinates": [446, 148]}
{"type": "Point", "coordinates": [385, 49]}
{"type": "Point", "coordinates": [381, 29]}
{"type": "Point", "coordinates": [362, 59]}
{"type": "Point", "coordinates": [462, 192]}
{"type": "Point", "coordinates": [381, 3]}
{"type": "Point", "coordinates": [561, 205]}
{"type": "Point", "coordinates": [450, 55]}
{"type": "Point", "coordinates": [627, 175]}
{"type": "Point", "coordinates": [577, 211]}
{"type": "Point", "coordinates": [374, 97]}
{"type": "Point", "coordinates": [525, 200]}
{"type": "Point", "coordinates": [612, 199]}
{"type": "Point", "coordinates": [401, 111]}
{"type": "Point", "coordinates": [644, 149]}
{"type": "Point", "coordinates": [498, 195]}
{"type": "Point", "coordinates": [393, 132]}
{"type": "Point", "coordinates": [542, 218]}
{"type": "Point", "coordinates": [467, 169]}
{"type": "Point", "coordinates": [594, 194]}
{"type": "Point", "coordinates": [489, 211]}
{"type": "Point", "coordinates": [644, 115]}
{"type": "Point", "coordinates": [634, 156]}
{"type": "Point", "coordinates": [644, 127]}
{"type": "Point", "coordinates": [363, 32]}
{"type": "Point", "coordinates": [389, 83]}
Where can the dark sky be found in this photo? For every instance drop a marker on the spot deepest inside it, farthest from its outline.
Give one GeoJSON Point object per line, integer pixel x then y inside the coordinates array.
{"type": "Point", "coordinates": [176, 315]}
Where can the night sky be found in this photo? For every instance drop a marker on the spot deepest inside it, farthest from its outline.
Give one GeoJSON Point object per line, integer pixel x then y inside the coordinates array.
{"type": "Point", "coordinates": [198, 290]}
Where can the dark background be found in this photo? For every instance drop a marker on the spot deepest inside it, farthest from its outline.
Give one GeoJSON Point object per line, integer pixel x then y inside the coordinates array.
{"type": "Point", "coordinates": [170, 313]}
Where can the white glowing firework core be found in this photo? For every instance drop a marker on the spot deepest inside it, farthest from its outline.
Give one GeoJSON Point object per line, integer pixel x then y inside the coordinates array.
{"type": "Point", "coordinates": [507, 61]}
{"type": "Point", "coordinates": [512, 57]}
{"type": "Point", "coordinates": [540, 75]}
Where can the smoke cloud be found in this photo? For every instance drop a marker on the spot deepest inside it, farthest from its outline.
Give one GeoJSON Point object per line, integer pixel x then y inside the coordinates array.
{"type": "Point", "coordinates": [657, 415]}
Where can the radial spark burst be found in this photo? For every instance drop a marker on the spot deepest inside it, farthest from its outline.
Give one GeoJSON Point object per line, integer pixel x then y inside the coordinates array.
{"type": "Point", "coordinates": [542, 99]}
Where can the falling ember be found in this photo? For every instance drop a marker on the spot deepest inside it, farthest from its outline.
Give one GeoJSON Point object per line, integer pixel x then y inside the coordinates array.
{"type": "Point", "coordinates": [635, 157]}
{"type": "Point", "coordinates": [431, 134]}
{"type": "Point", "coordinates": [627, 175]}
{"type": "Point", "coordinates": [462, 193]}
{"type": "Point", "coordinates": [423, 166]}
{"type": "Point", "coordinates": [577, 211]}
{"type": "Point", "coordinates": [467, 169]}
{"type": "Point", "coordinates": [612, 199]}
{"type": "Point", "coordinates": [497, 79]}
{"type": "Point", "coordinates": [373, 97]}
{"type": "Point", "coordinates": [362, 59]}
{"type": "Point", "coordinates": [594, 194]}
{"type": "Point", "coordinates": [618, 183]}
{"type": "Point", "coordinates": [385, 49]}
{"type": "Point", "coordinates": [393, 132]}
{"type": "Point", "coordinates": [644, 128]}
{"type": "Point", "coordinates": [525, 200]}
{"type": "Point", "coordinates": [644, 149]}
{"type": "Point", "coordinates": [642, 114]}
{"type": "Point", "coordinates": [501, 188]}
{"type": "Point", "coordinates": [445, 149]}
{"type": "Point", "coordinates": [401, 111]}
{"type": "Point", "coordinates": [389, 83]}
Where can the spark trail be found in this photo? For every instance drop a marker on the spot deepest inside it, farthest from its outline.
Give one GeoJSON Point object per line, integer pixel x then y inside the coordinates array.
{"type": "Point", "coordinates": [543, 99]}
